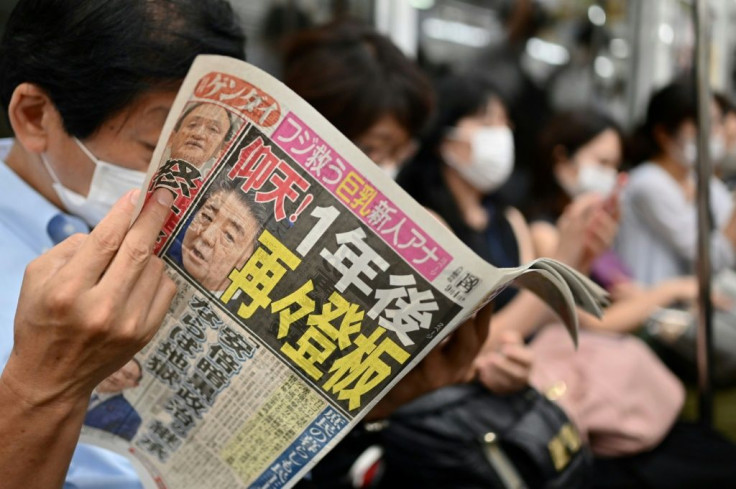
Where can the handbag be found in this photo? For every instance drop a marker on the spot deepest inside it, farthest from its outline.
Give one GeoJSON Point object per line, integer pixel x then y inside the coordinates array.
{"type": "Point", "coordinates": [621, 396]}
{"type": "Point", "coordinates": [674, 332]}
{"type": "Point", "coordinates": [466, 437]}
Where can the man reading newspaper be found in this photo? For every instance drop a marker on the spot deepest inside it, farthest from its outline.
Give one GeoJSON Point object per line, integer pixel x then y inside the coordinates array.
{"type": "Point", "coordinates": [308, 286]}
{"type": "Point", "coordinates": [285, 330]}
{"type": "Point", "coordinates": [91, 301]}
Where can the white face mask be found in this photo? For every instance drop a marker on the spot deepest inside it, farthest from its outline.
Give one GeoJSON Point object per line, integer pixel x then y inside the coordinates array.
{"type": "Point", "coordinates": [592, 177]}
{"type": "Point", "coordinates": [109, 183]}
{"type": "Point", "coordinates": [717, 148]}
{"type": "Point", "coordinates": [689, 152]}
{"type": "Point", "coordinates": [492, 159]}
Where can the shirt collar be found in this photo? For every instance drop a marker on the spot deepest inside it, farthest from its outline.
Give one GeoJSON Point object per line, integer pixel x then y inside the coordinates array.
{"type": "Point", "coordinates": [31, 217]}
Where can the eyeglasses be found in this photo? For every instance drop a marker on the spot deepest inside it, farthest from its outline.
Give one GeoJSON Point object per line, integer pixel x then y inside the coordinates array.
{"type": "Point", "coordinates": [396, 154]}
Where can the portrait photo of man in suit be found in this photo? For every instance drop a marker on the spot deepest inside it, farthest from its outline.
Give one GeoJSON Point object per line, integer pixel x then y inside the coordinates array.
{"type": "Point", "coordinates": [109, 410]}
{"type": "Point", "coordinates": [201, 134]}
{"type": "Point", "coordinates": [220, 236]}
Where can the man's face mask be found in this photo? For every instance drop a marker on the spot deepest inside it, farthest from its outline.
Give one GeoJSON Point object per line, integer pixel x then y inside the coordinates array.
{"type": "Point", "coordinates": [109, 183]}
{"type": "Point", "coordinates": [491, 161]}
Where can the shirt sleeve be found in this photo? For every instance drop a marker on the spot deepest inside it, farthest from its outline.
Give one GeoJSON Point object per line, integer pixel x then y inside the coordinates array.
{"type": "Point", "coordinates": [662, 206]}
{"type": "Point", "coordinates": [721, 202]}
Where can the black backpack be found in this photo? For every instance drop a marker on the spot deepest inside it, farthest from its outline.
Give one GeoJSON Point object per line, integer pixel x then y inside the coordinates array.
{"type": "Point", "coordinates": [466, 437]}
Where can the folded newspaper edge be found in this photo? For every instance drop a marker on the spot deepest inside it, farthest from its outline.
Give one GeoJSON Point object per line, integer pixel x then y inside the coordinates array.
{"type": "Point", "coordinates": [340, 286]}
{"type": "Point", "coordinates": [562, 288]}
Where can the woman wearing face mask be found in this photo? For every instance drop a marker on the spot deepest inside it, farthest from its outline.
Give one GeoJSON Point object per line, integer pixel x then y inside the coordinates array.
{"type": "Point", "coordinates": [725, 168]}
{"type": "Point", "coordinates": [658, 234]}
{"type": "Point", "coordinates": [466, 156]}
{"type": "Point", "coordinates": [577, 167]}
{"type": "Point", "coordinates": [579, 156]}
{"type": "Point", "coordinates": [636, 436]}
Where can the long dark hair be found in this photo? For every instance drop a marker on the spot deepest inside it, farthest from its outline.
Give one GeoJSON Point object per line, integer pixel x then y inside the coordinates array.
{"type": "Point", "coordinates": [458, 96]}
{"type": "Point", "coordinates": [570, 130]}
{"type": "Point", "coordinates": [668, 108]}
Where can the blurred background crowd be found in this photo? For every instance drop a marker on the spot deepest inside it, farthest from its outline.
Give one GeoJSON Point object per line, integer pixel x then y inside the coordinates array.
{"type": "Point", "coordinates": [558, 128]}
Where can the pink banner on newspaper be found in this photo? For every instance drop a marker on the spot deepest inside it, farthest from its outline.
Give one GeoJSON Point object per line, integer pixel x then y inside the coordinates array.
{"type": "Point", "coordinates": [357, 194]}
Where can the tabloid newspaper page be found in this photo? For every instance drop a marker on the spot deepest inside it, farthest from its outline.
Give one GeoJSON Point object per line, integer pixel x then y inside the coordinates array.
{"type": "Point", "coordinates": [308, 284]}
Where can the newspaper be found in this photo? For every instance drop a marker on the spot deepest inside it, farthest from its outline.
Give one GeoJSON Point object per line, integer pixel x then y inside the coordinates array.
{"type": "Point", "coordinates": [308, 283]}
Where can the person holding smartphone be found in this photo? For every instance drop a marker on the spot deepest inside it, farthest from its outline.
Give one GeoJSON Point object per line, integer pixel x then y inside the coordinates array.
{"type": "Point", "coordinates": [580, 154]}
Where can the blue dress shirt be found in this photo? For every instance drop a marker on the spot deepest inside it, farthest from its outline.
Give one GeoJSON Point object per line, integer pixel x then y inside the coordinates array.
{"type": "Point", "coordinates": [30, 225]}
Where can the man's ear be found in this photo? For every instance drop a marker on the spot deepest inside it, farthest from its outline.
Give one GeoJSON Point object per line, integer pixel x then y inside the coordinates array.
{"type": "Point", "coordinates": [33, 117]}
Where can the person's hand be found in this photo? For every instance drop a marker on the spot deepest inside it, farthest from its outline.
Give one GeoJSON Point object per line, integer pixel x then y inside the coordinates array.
{"type": "Point", "coordinates": [600, 232]}
{"type": "Point", "coordinates": [572, 227]}
{"type": "Point", "coordinates": [612, 203]}
{"type": "Point", "coordinates": [587, 228]}
{"type": "Point", "coordinates": [88, 305]}
{"type": "Point", "coordinates": [622, 290]}
{"type": "Point", "coordinates": [506, 370]}
{"type": "Point", "coordinates": [682, 289]}
{"type": "Point", "coordinates": [687, 290]}
{"type": "Point", "coordinates": [450, 362]}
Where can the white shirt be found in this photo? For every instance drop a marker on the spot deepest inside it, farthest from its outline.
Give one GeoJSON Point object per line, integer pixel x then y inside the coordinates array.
{"type": "Point", "coordinates": [657, 238]}
{"type": "Point", "coordinates": [29, 225]}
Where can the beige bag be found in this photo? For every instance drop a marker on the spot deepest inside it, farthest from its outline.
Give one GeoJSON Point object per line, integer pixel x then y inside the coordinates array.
{"type": "Point", "coordinates": [616, 390]}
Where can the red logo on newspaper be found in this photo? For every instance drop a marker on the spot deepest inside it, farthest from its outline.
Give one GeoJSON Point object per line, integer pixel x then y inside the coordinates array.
{"type": "Point", "coordinates": [252, 102]}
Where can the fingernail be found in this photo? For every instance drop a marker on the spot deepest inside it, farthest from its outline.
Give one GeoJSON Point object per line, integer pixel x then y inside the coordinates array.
{"type": "Point", "coordinates": [133, 195]}
{"type": "Point", "coordinates": [164, 197]}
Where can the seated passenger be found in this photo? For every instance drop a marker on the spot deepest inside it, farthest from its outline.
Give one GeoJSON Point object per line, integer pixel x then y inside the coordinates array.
{"type": "Point", "coordinates": [91, 302]}
{"type": "Point", "coordinates": [579, 156]}
{"type": "Point", "coordinates": [465, 156]}
{"type": "Point", "coordinates": [362, 83]}
{"type": "Point", "coordinates": [87, 87]}
{"type": "Point", "coordinates": [658, 235]}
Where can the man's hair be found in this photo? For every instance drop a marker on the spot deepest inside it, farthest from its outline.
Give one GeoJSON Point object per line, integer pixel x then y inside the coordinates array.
{"type": "Point", "coordinates": [259, 212]}
{"type": "Point", "coordinates": [230, 118]}
{"type": "Point", "coordinates": [95, 57]}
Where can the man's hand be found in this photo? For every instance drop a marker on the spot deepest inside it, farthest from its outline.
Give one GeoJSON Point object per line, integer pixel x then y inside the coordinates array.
{"type": "Point", "coordinates": [507, 369]}
{"type": "Point", "coordinates": [88, 305]}
{"type": "Point", "coordinates": [450, 362]}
